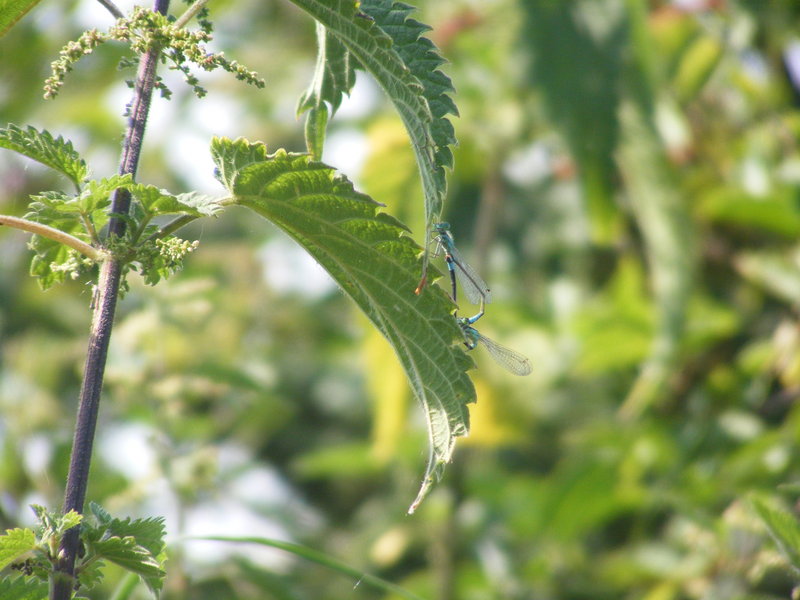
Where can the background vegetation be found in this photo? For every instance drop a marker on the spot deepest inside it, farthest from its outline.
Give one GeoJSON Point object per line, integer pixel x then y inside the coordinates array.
{"type": "Point", "coordinates": [626, 180]}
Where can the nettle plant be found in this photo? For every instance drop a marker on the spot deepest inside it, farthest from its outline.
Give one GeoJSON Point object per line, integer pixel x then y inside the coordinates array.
{"type": "Point", "coordinates": [107, 227]}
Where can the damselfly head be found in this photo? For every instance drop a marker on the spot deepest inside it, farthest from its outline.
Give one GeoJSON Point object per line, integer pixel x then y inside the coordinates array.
{"type": "Point", "coordinates": [441, 227]}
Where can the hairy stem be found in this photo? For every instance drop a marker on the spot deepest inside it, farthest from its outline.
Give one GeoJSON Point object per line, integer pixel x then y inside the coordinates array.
{"type": "Point", "coordinates": [53, 234]}
{"type": "Point", "coordinates": [62, 584]}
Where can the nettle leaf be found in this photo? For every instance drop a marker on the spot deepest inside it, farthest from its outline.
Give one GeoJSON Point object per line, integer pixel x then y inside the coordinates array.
{"type": "Point", "coordinates": [136, 545]}
{"type": "Point", "coordinates": [128, 554]}
{"type": "Point", "coordinates": [22, 588]}
{"type": "Point", "coordinates": [96, 196]}
{"type": "Point", "coordinates": [200, 205]}
{"type": "Point", "coordinates": [398, 63]}
{"type": "Point", "coordinates": [423, 59]}
{"type": "Point", "coordinates": [155, 201]}
{"type": "Point", "coordinates": [230, 157]}
{"type": "Point", "coordinates": [377, 265]}
{"type": "Point", "coordinates": [14, 544]}
{"type": "Point", "coordinates": [40, 146]}
{"type": "Point", "coordinates": [334, 76]}
{"type": "Point", "coordinates": [100, 515]}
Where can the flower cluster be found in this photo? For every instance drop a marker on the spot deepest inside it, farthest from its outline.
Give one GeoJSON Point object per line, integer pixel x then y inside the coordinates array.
{"type": "Point", "coordinates": [69, 55]}
{"type": "Point", "coordinates": [145, 30]}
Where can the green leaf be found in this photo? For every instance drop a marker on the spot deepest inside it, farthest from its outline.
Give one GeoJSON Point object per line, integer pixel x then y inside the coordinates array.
{"type": "Point", "coordinates": [22, 588]}
{"type": "Point", "coordinates": [68, 521]}
{"type": "Point", "coordinates": [14, 544]}
{"type": "Point", "coordinates": [230, 157]}
{"type": "Point", "coordinates": [128, 554]}
{"type": "Point", "coordinates": [665, 223]}
{"type": "Point", "coordinates": [135, 545]}
{"type": "Point", "coordinates": [96, 196]}
{"type": "Point", "coordinates": [149, 533]}
{"type": "Point", "coordinates": [775, 213]}
{"type": "Point", "coordinates": [40, 146]}
{"type": "Point", "coordinates": [198, 204]}
{"type": "Point", "coordinates": [401, 77]}
{"type": "Point", "coordinates": [100, 514]}
{"type": "Point", "coordinates": [316, 124]}
{"type": "Point", "coordinates": [334, 76]}
{"type": "Point", "coordinates": [369, 256]}
{"type": "Point", "coordinates": [784, 530]}
{"type": "Point", "coordinates": [53, 262]}
{"type": "Point", "coordinates": [321, 559]}
{"type": "Point", "coordinates": [578, 71]}
{"type": "Point", "coordinates": [12, 11]}
{"type": "Point", "coordinates": [775, 272]}
{"type": "Point", "coordinates": [423, 60]}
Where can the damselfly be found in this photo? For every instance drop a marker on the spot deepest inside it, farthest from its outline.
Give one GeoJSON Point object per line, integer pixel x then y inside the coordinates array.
{"type": "Point", "coordinates": [474, 287]}
{"type": "Point", "coordinates": [505, 357]}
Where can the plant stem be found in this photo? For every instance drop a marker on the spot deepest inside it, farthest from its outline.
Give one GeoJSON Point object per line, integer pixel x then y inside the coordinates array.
{"type": "Point", "coordinates": [53, 234]}
{"type": "Point", "coordinates": [112, 8]}
{"type": "Point", "coordinates": [190, 12]}
{"type": "Point", "coordinates": [62, 580]}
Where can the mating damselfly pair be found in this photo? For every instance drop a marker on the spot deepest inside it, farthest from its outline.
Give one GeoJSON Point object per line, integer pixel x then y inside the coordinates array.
{"type": "Point", "coordinates": [477, 292]}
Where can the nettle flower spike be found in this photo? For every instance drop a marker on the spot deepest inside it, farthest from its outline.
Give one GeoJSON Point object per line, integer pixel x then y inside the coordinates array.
{"type": "Point", "coordinates": [144, 30]}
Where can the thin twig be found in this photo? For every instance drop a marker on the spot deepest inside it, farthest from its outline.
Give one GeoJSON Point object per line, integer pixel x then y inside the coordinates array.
{"type": "Point", "coordinates": [190, 12]}
{"type": "Point", "coordinates": [173, 225]}
{"type": "Point", "coordinates": [112, 8]}
{"type": "Point", "coordinates": [53, 234]}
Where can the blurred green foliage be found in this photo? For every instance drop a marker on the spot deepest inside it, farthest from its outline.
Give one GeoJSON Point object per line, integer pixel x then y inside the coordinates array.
{"type": "Point", "coordinates": [626, 180]}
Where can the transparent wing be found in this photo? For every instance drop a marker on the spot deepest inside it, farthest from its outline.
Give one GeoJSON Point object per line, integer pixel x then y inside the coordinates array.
{"type": "Point", "coordinates": [473, 285]}
{"type": "Point", "coordinates": [512, 361]}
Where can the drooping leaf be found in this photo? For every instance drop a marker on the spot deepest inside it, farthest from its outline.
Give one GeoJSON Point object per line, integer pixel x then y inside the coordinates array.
{"type": "Point", "coordinates": [14, 543]}
{"type": "Point", "coordinates": [408, 80]}
{"type": "Point", "coordinates": [423, 59]}
{"type": "Point", "coordinates": [334, 76]}
{"type": "Point", "coordinates": [784, 530]}
{"type": "Point", "coordinates": [369, 256]}
{"type": "Point", "coordinates": [40, 146]}
{"type": "Point", "coordinates": [22, 588]}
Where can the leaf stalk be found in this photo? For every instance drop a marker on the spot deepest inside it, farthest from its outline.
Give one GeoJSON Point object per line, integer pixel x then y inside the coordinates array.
{"type": "Point", "coordinates": [54, 234]}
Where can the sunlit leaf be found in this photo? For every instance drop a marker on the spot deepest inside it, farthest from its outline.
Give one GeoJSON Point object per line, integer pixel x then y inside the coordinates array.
{"type": "Point", "coordinates": [22, 588]}
{"type": "Point", "coordinates": [40, 146]}
{"type": "Point", "coordinates": [405, 65]}
{"type": "Point", "coordinates": [12, 11]}
{"type": "Point", "coordinates": [14, 543]}
{"type": "Point", "coordinates": [369, 256]}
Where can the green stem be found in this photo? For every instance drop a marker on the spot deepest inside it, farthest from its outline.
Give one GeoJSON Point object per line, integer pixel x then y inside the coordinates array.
{"type": "Point", "coordinates": [53, 234]}
{"type": "Point", "coordinates": [172, 226]}
{"type": "Point", "coordinates": [190, 12]}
